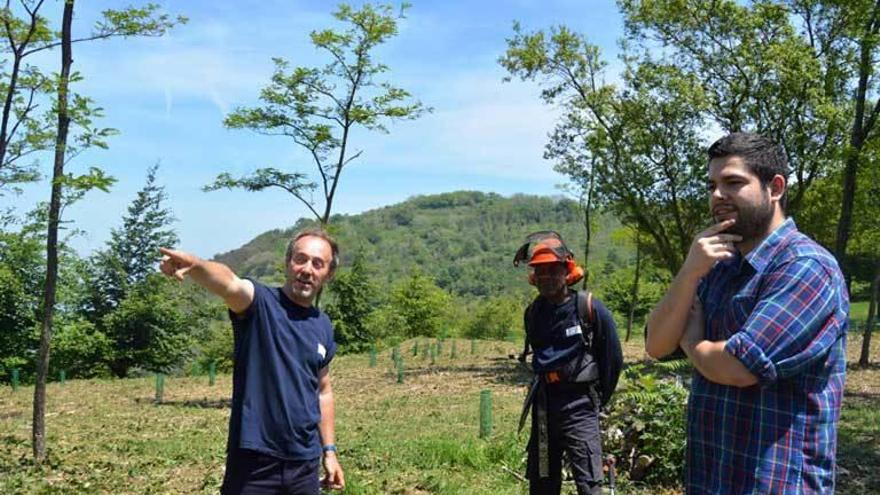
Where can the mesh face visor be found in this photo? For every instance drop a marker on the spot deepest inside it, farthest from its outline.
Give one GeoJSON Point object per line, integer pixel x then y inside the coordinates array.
{"type": "Point", "coordinates": [545, 246]}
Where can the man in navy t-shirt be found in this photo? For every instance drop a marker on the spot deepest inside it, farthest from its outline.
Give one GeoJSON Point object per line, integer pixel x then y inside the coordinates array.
{"type": "Point", "coordinates": [282, 417]}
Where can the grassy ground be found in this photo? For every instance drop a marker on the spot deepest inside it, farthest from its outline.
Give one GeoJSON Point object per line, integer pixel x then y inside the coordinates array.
{"type": "Point", "coordinates": [419, 437]}
{"type": "Point", "coordinates": [858, 311]}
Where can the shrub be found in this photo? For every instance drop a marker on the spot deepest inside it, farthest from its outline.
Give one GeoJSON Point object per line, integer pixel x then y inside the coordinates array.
{"type": "Point", "coordinates": [495, 319]}
{"type": "Point", "coordinates": [646, 428]}
{"type": "Point", "coordinates": [218, 347]}
{"type": "Point", "coordinates": [80, 350]}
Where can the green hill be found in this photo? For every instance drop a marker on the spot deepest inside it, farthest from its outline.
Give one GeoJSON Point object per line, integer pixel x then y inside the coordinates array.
{"type": "Point", "coordinates": [464, 239]}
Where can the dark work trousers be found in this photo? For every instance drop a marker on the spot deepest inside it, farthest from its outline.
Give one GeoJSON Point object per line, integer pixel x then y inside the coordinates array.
{"type": "Point", "coordinates": [253, 473]}
{"type": "Point", "coordinates": [573, 427]}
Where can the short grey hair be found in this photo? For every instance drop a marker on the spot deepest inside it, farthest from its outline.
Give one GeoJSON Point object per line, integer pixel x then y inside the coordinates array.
{"type": "Point", "coordinates": [321, 234]}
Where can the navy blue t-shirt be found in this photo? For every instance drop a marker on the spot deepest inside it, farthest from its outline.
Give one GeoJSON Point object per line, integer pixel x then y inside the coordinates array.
{"type": "Point", "coordinates": [280, 347]}
{"type": "Point", "coordinates": [556, 337]}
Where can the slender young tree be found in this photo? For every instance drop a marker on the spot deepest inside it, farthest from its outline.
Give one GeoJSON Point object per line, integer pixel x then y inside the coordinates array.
{"type": "Point", "coordinates": [67, 187]}
{"type": "Point", "coordinates": [568, 147]}
{"type": "Point", "coordinates": [39, 425]}
{"type": "Point", "coordinates": [634, 295]}
{"type": "Point", "coordinates": [320, 108]}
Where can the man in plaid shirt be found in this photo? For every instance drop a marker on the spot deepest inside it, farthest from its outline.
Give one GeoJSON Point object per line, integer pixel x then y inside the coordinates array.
{"type": "Point", "coordinates": [761, 312]}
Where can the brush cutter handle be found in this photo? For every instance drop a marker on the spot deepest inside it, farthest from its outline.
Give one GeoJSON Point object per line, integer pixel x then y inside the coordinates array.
{"type": "Point", "coordinates": [609, 463]}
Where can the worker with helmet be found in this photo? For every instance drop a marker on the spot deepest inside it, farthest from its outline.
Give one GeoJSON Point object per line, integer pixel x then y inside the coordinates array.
{"type": "Point", "coordinates": [576, 358]}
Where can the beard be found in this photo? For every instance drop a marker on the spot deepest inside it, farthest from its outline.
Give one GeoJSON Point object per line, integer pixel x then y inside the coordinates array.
{"type": "Point", "coordinates": [551, 288]}
{"type": "Point", "coordinates": [752, 221]}
{"type": "Point", "coordinates": [305, 291]}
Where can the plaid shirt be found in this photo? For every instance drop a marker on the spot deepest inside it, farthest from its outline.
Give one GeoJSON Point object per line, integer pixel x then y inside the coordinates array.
{"type": "Point", "coordinates": [783, 311]}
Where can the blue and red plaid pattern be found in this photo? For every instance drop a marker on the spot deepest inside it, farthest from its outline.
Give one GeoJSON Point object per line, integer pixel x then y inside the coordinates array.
{"type": "Point", "coordinates": [783, 311]}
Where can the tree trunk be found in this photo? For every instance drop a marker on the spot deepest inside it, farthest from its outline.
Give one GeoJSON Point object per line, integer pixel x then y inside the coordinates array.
{"type": "Point", "coordinates": [39, 423]}
{"type": "Point", "coordinates": [872, 315]}
{"type": "Point", "coordinates": [844, 223]}
{"type": "Point", "coordinates": [588, 226]}
{"type": "Point", "coordinates": [861, 129]}
{"type": "Point", "coordinates": [634, 295]}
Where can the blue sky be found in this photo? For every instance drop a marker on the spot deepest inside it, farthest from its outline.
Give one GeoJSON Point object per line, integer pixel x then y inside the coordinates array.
{"type": "Point", "coordinates": [168, 97]}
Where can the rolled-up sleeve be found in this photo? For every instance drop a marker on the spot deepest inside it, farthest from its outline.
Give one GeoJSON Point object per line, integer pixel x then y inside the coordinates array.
{"type": "Point", "coordinates": [792, 324]}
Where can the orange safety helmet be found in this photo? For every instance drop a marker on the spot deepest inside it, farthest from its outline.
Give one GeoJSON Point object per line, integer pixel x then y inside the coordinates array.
{"type": "Point", "coordinates": [548, 247]}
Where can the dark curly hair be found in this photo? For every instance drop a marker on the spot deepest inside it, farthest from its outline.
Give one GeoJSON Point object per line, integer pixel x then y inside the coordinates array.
{"type": "Point", "coordinates": [764, 158]}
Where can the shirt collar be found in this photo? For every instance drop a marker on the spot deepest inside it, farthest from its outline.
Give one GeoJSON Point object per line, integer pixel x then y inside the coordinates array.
{"type": "Point", "coordinates": [760, 257]}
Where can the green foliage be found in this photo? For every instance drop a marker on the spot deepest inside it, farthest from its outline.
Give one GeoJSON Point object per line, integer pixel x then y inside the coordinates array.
{"type": "Point", "coordinates": [318, 107]}
{"type": "Point", "coordinates": [755, 64]}
{"type": "Point", "coordinates": [17, 319]}
{"type": "Point", "coordinates": [641, 145]}
{"type": "Point", "coordinates": [149, 328]}
{"type": "Point", "coordinates": [354, 298]}
{"type": "Point", "coordinates": [25, 87]}
{"type": "Point", "coordinates": [646, 428]}
{"type": "Point", "coordinates": [148, 20]}
{"type": "Point", "coordinates": [133, 249]}
{"type": "Point", "coordinates": [386, 324]}
{"type": "Point", "coordinates": [616, 292]}
{"type": "Point", "coordinates": [788, 70]}
{"type": "Point", "coordinates": [22, 272]}
{"type": "Point", "coordinates": [496, 318]}
{"type": "Point", "coordinates": [422, 306]}
{"type": "Point", "coordinates": [819, 218]}
{"type": "Point", "coordinates": [217, 345]}
{"type": "Point", "coordinates": [117, 282]}
{"type": "Point", "coordinates": [80, 349]}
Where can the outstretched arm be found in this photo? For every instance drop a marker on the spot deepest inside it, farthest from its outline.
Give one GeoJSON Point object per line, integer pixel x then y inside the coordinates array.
{"type": "Point", "coordinates": [219, 279]}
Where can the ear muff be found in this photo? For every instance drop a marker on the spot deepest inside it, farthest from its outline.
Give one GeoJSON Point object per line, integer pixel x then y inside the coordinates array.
{"type": "Point", "coordinates": [575, 273]}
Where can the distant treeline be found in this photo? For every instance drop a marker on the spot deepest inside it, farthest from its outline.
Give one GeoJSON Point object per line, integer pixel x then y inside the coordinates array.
{"type": "Point", "coordinates": [464, 240]}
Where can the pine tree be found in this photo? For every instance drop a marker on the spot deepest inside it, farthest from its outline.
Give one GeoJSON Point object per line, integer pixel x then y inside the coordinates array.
{"type": "Point", "coordinates": [122, 285]}
{"type": "Point", "coordinates": [133, 249]}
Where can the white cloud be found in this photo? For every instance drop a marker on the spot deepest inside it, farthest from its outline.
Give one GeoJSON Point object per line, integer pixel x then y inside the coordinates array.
{"type": "Point", "coordinates": [480, 126]}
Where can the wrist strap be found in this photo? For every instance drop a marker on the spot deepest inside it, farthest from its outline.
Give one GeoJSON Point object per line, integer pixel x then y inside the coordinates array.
{"type": "Point", "coordinates": [330, 447]}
